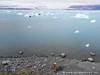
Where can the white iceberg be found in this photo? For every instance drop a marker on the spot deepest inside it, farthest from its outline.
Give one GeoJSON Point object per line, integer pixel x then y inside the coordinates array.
{"type": "Point", "coordinates": [19, 13]}
{"type": "Point", "coordinates": [27, 15]}
{"type": "Point", "coordinates": [81, 16]}
{"type": "Point", "coordinates": [87, 45]}
{"type": "Point", "coordinates": [36, 14]}
{"type": "Point", "coordinates": [77, 31]}
{"type": "Point", "coordinates": [28, 26]}
{"type": "Point", "coordinates": [8, 11]}
{"type": "Point", "coordinates": [93, 21]}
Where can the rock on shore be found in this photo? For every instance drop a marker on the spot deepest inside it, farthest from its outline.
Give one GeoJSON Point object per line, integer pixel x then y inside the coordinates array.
{"type": "Point", "coordinates": [49, 64]}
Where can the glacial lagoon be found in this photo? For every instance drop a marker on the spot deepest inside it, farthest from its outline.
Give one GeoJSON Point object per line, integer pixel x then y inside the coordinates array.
{"type": "Point", "coordinates": [43, 32]}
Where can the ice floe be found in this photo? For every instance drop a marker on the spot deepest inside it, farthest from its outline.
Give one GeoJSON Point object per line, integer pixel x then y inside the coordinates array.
{"type": "Point", "coordinates": [77, 31]}
{"type": "Point", "coordinates": [8, 11]}
{"type": "Point", "coordinates": [19, 13]}
{"type": "Point", "coordinates": [36, 14]}
{"type": "Point", "coordinates": [87, 45]}
{"type": "Point", "coordinates": [79, 15]}
{"type": "Point", "coordinates": [28, 26]}
{"type": "Point", "coordinates": [93, 21]}
{"type": "Point", "coordinates": [26, 15]}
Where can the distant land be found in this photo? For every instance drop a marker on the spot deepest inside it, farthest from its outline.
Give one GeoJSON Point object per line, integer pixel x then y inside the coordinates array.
{"type": "Point", "coordinates": [72, 7]}
{"type": "Point", "coordinates": [84, 7]}
{"type": "Point", "coordinates": [15, 9]}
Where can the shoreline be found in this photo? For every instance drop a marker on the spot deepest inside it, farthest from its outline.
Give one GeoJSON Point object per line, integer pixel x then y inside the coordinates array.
{"type": "Point", "coordinates": [44, 64]}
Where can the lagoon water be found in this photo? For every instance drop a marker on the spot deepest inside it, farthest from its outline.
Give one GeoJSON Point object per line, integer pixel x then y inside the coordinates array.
{"type": "Point", "coordinates": [77, 33]}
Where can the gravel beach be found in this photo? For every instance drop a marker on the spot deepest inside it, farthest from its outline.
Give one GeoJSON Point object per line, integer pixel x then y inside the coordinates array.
{"type": "Point", "coordinates": [49, 65]}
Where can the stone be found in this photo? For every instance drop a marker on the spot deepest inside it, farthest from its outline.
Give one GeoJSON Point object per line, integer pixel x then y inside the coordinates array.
{"type": "Point", "coordinates": [63, 55]}
{"type": "Point", "coordinates": [56, 67]}
{"type": "Point", "coordinates": [92, 54]}
{"type": "Point", "coordinates": [5, 62]}
{"type": "Point", "coordinates": [21, 52]}
{"type": "Point", "coordinates": [30, 16]}
{"type": "Point", "coordinates": [53, 54]}
{"type": "Point", "coordinates": [39, 14]}
{"type": "Point", "coordinates": [83, 59]}
{"type": "Point", "coordinates": [90, 59]}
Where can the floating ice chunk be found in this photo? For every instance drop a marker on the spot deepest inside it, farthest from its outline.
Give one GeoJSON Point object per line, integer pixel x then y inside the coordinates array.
{"type": "Point", "coordinates": [93, 21]}
{"type": "Point", "coordinates": [36, 14]}
{"type": "Point", "coordinates": [81, 16]}
{"type": "Point", "coordinates": [8, 11]}
{"type": "Point", "coordinates": [19, 13]}
{"type": "Point", "coordinates": [87, 45]}
{"type": "Point", "coordinates": [77, 31]}
{"type": "Point", "coordinates": [28, 26]}
{"type": "Point", "coordinates": [27, 15]}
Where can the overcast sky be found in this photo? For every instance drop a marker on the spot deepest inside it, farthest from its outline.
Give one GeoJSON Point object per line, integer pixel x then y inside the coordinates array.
{"type": "Point", "coordinates": [80, 1]}
{"type": "Point", "coordinates": [47, 3]}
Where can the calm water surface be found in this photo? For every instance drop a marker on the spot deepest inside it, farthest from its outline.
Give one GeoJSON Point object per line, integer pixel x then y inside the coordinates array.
{"type": "Point", "coordinates": [76, 33]}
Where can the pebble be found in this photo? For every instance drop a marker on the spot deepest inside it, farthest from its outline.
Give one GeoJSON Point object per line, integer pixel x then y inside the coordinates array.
{"type": "Point", "coordinates": [90, 59]}
{"type": "Point", "coordinates": [21, 52]}
{"type": "Point", "coordinates": [63, 55]}
{"type": "Point", "coordinates": [92, 54]}
{"type": "Point", "coordinates": [83, 59]}
{"type": "Point", "coordinates": [5, 62]}
{"type": "Point", "coordinates": [64, 72]}
{"type": "Point", "coordinates": [53, 54]}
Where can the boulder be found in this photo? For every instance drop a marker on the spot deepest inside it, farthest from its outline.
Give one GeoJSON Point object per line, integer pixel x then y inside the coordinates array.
{"type": "Point", "coordinates": [90, 59]}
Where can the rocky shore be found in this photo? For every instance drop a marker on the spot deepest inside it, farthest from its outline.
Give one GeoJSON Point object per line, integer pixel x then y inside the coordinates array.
{"type": "Point", "coordinates": [50, 65]}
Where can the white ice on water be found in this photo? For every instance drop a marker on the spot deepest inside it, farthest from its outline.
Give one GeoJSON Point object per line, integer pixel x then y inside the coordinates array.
{"type": "Point", "coordinates": [19, 13]}
{"type": "Point", "coordinates": [8, 11]}
{"type": "Point", "coordinates": [87, 45]}
{"type": "Point", "coordinates": [77, 31]}
{"type": "Point", "coordinates": [93, 21]}
{"type": "Point", "coordinates": [79, 15]}
{"type": "Point", "coordinates": [36, 14]}
{"type": "Point", "coordinates": [26, 15]}
{"type": "Point", "coordinates": [28, 26]}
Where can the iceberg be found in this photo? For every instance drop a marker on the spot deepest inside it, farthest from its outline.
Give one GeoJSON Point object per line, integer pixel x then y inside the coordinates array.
{"type": "Point", "coordinates": [19, 13]}
{"type": "Point", "coordinates": [93, 21]}
{"type": "Point", "coordinates": [81, 16]}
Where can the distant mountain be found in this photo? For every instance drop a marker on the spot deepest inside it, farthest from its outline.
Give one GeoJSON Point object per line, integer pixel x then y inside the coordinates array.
{"type": "Point", "coordinates": [84, 7]}
{"type": "Point", "coordinates": [15, 8]}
